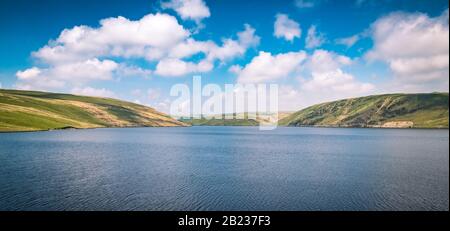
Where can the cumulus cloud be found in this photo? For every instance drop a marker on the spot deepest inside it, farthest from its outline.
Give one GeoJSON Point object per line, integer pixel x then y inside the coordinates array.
{"type": "Point", "coordinates": [91, 69]}
{"type": "Point", "coordinates": [327, 75]}
{"type": "Point", "coordinates": [286, 28]}
{"type": "Point", "coordinates": [325, 61]}
{"type": "Point", "coordinates": [176, 67]}
{"type": "Point", "coordinates": [336, 82]}
{"type": "Point", "coordinates": [28, 73]}
{"type": "Point", "coordinates": [247, 37]}
{"type": "Point", "coordinates": [321, 77]}
{"type": "Point", "coordinates": [323, 80]}
{"type": "Point", "coordinates": [190, 47]}
{"type": "Point", "coordinates": [96, 92]}
{"type": "Point", "coordinates": [132, 71]}
{"type": "Point", "coordinates": [148, 37]}
{"type": "Point", "coordinates": [75, 73]}
{"type": "Point", "coordinates": [314, 39]}
{"type": "Point", "coordinates": [233, 48]}
{"type": "Point", "coordinates": [415, 47]}
{"type": "Point", "coordinates": [229, 49]}
{"type": "Point", "coordinates": [83, 54]}
{"type": "Point", "coordinates": [195, 10]}
{"type": "Point", "coordinates": [267, 67]}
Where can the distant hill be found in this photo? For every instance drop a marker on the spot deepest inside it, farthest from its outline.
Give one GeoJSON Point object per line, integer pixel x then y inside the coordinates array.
{"type": "Point", "coordinates": [32, 111]}
{"type": "Point", "coordinates": [210, 121]}
{"type": "Point", "coordinates": [220, 122]}
{"type": "Point", "coordinates": [390, 110]}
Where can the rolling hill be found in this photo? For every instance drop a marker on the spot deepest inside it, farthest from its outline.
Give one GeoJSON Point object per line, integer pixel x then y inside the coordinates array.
{"type": "Point", "coordinates": [390, 111]}
{"type": "Point", "coordinates": [33, 111]}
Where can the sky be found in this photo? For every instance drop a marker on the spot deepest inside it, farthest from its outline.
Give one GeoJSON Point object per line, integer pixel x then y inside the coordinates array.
{"type": "Point", "coordinates": [136, 50]}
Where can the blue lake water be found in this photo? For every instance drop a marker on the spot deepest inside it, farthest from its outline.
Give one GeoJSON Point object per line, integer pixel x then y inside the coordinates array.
{"type": "Point", "coordinates": [225, 168]}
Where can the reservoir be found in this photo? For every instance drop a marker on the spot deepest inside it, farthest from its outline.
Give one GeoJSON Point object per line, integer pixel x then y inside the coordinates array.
{"type": "Point", "coordinates": [225, 168]}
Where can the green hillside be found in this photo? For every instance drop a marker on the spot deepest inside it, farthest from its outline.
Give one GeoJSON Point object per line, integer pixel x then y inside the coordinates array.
{"type": "Point", "coordinates": [391, 110]}
{"type": "Point", "coordinates": [32, 111]}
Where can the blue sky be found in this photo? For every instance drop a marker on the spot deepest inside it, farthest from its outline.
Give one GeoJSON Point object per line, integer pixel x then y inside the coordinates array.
{"type": "Point", "coordinates": [316, 50]}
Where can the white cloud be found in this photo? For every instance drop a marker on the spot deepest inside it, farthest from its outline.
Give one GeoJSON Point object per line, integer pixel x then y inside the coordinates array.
{"type": "Point", "coordinates": [188, 9]}
{"type": "Point", "coordinates": [336, 81]}
{"type": "Point", "coordinates": [322, 79]}
{"type": "Point", "coordinates": [234, 48]}
{"type": "Point", "coordinates": [42, 84]}
{"type": "Point", "coordinates": [92, 69]}
{"type": "Point", "coordinates": [286, 28]}
{"type": "Point", "coordinates": [230, 48]}
{"type": "Point", "coordinates": [348, 41]}
{"type": "Point", "coordinates": [419, 64]}
{"type": "Point", "coordinates": [175, 67]}
{"type": "Point", "coordinates": [325, 61]}
{"type": "Point", "coordinates": [83, 54]}
{"type": "Point", "coordinates": [116, 37]}
{"type": "Point", "coordinates": [313, 38]}
{"type": "Point", "coordinates": [323, 76]}
{"type": "Point", "coordinates": [36, 79]}
{"type": "Point", "coordinates": [76, 73]}
{"type": "Point", "coordinates": [247, 37]}
{"type": "Point", "coordinates": [312, 78]}
{"type": "Point", "coordinates": [132, 71]}
{"type": "Point", "coordinates": [415, 47]}
{"type": "Point", "coordinates": [89, 91]}
{"type": "Point", "coordinates": [28, 73]}
{"type": "Point", "coordinates": [322, 87]}
{"type": "Point", "coordinates": [190, 47]}
{"type": "Point", "coordinates": [328, 80]}
{"type": "Point", "coordinates": [265, 67]}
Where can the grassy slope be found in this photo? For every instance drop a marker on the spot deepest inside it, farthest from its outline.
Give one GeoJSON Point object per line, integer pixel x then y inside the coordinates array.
{"type": "Point", "coordinates": [31, 111]}
{"type": "Point", "coordinates": [420, 110]}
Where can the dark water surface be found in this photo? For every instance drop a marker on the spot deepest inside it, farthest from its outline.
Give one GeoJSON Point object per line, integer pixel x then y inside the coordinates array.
{"type": "Point", "coordinates": [225, 168]}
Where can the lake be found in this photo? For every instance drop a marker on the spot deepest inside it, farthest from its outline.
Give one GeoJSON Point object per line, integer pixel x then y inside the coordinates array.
{"type": "Point", "coordinates": [225, 168]}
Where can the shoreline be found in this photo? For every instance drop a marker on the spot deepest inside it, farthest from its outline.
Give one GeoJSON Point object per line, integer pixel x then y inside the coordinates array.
{"type": "Point", "coordinates": [309, 126]}
{"type": "Point", "coordinates": [73, 128]}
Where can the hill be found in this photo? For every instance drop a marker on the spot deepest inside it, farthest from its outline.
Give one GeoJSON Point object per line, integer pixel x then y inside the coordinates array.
{"type": "Point", "coordinates": [210, 121]}
{"type": "Point", "coordinates": [390, 110]}
{"type": "Point", "coordinates": [33, 111]}
{"type": "Point", "coordinates": [220, 122]}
